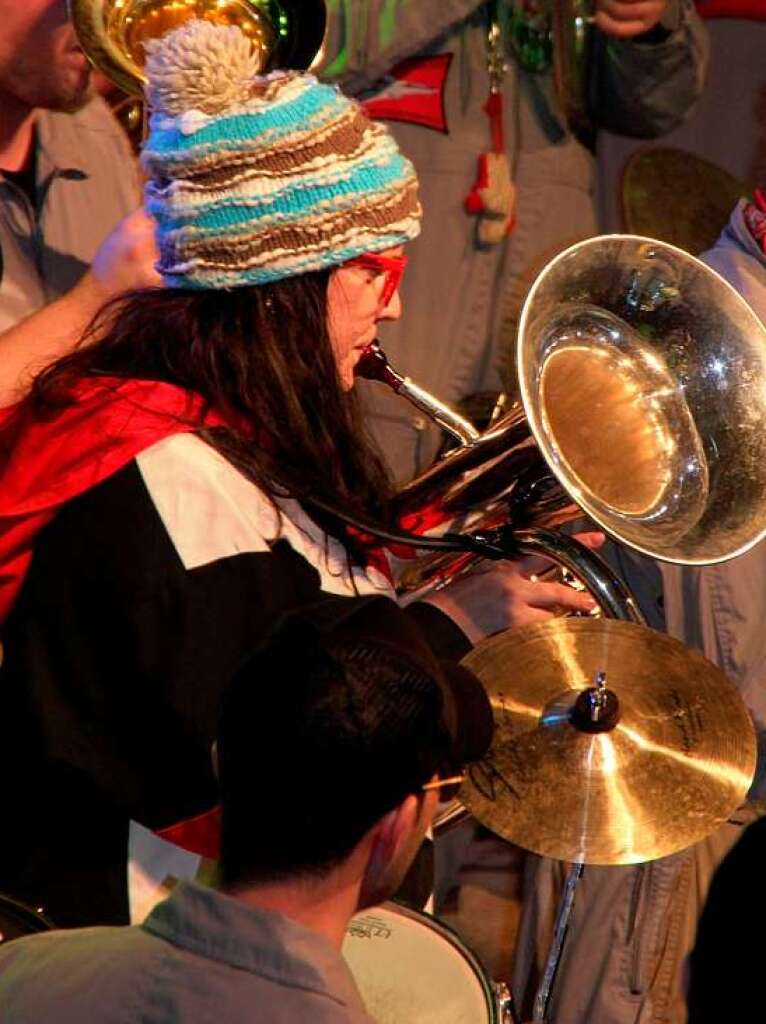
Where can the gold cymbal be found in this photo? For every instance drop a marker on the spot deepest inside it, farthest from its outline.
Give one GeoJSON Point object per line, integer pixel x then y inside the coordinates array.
{"type": "Point", "coordinates": [678, 197]}
{"type": "Point", "coordinates": [678, 761]}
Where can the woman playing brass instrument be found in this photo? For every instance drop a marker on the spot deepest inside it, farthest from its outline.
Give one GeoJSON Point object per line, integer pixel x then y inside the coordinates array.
{"type": "Point", "coordinates": [157, 485]}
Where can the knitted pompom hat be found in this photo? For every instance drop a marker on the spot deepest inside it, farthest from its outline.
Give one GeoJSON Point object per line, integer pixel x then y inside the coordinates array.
{"type": "Point", "coordinates": [252, 179]}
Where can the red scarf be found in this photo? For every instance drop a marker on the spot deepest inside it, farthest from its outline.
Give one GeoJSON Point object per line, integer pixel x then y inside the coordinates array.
{"type": "Point", "coordinates": [755, 218]}
{"type": "Point", "coordinates": [58, 458]}
{"type": "Point", "coordinates": [755, 9]}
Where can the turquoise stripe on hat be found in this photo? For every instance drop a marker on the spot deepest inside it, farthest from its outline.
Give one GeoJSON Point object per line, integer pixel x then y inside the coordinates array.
{"type": "Point", "coordinates": [260, 128]}
{"type": "Point", "coordinates": [291, 205]}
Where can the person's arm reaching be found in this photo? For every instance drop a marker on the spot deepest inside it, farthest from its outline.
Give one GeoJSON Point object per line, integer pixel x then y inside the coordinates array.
{"type": "Point", "coordinates": [124, 261]}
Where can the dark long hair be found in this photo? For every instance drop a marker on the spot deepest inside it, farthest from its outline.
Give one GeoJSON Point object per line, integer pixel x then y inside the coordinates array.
{"type": "Point", "coordinates": [260, 356]}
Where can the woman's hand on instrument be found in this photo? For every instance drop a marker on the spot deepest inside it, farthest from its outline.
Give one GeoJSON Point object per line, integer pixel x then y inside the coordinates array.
{"type": "Point", "coordinates": [502, 595]}
{"type": "Point", "coordinates": [626, 18]}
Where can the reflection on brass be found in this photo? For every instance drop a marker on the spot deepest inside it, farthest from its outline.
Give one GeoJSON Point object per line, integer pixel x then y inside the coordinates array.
{"type": "Point", "coordinates": [129, 111]}
{"type": "Point", "coordinates": [614, 443]}
{"type": "Point", "coordinates": [572, 43]}
{"type": "Point", "coordinates": [640, 313]}
{"type": "Point", "coordinates": [676, 764]}
{"type": "Point", "coordinates": [149, 19]}
{"type": "Point", "coordinates": [678, 197]}
{"type": "Point", "coordinates": [284, 33]}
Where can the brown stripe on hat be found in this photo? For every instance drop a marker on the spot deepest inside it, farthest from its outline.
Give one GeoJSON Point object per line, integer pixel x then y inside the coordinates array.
{"type": "Point", "coordinates": [207, 157]}
{"type": "Point", "coordinates": [348, 142]}
{"type": "Point", "coordinates": [308, 237]}
{"type": "Point", "coordinates": [268, 89]}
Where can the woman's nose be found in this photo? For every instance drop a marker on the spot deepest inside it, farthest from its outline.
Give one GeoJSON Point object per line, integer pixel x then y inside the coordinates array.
{"type": "Point", "coordinates": [393, 309]}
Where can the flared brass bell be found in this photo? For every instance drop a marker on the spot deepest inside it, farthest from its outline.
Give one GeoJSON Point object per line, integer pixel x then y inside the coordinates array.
{"type": "Point", "coordinates": [285, 33]}
{"type": "Point", "coordinates": [642, 374]}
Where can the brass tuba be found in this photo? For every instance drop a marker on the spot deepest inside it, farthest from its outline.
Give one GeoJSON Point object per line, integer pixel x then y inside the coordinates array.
{"type": "Point", "coordinates": [642, 380]}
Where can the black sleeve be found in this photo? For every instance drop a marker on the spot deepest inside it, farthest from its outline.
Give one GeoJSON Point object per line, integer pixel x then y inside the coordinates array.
{"type": "Point", "coordinates": [645, 86]}
{"type": "Point", "coordinates": [446, 639]}
{"type": "Point", "coordinates": [116, 655]}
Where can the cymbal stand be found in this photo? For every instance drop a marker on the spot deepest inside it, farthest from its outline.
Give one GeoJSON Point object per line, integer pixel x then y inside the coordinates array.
{"type": "Point", "coordinates": [566, 903]}
{"type": "Point", "coordinates": [597, 709]}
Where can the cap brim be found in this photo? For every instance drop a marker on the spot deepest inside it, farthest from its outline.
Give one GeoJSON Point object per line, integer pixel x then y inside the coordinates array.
{"type": "Point", "coordinates": [474, 722]}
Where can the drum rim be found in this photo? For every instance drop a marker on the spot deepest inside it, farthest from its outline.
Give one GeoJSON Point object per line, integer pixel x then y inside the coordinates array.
{"type": "Point", "coordinates": [432, 923]}
{"type": "Point", "coordinates": [26, 913]}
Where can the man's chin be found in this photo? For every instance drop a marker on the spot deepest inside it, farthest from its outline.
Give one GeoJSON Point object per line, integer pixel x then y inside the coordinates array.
{"type": "Point", "coordinates": [74, 102]}
{"type": "Point", "coordinates": [73, 96]}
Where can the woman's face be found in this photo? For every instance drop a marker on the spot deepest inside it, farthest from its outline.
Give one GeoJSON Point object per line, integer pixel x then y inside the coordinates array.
{"type": "Point", "coordinates": [356, 302]}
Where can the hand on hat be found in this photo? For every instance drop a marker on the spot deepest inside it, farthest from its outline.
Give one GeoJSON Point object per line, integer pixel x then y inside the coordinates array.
{"type": "Point", "coordinates": [126, 260]}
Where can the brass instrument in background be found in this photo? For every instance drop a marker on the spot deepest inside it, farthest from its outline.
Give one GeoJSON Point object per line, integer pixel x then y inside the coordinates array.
{"type": "Point", "coordinates": [556, 36]}
{"type": "Point", "coordinates": [572, 44]}
{"type": "Point", "coordinates": [642, 376]}
{"type": "Point", "coordinates": [112, 33]}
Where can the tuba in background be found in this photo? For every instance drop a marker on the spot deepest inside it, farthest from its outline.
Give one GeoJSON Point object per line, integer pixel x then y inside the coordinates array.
{"type": "Point", "coordinates": [557, 36]}
{"type": "Point", "coordinates": [285, 33]}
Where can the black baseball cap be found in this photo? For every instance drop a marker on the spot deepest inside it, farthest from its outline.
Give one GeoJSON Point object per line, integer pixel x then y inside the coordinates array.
{"type": "Point", "coordinates": [378, 620]}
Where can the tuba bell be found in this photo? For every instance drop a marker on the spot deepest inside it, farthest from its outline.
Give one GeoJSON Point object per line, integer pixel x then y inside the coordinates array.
{"type": "Point", "coordinates": [642, 383]}
{"type": "Point", "coordinates": [112, 33]}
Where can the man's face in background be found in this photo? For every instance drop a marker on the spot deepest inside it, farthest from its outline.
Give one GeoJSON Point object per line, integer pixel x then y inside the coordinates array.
{"type": "Point", "coordinates": [41, 63]}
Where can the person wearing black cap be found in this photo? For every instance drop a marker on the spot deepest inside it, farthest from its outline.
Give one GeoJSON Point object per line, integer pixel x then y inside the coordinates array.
{"type": "Point", "coordinates": [334, 740]}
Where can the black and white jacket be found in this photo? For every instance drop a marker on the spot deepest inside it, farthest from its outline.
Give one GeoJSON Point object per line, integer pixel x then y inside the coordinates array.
{"type": "Point", "coordinates": [143, 596]}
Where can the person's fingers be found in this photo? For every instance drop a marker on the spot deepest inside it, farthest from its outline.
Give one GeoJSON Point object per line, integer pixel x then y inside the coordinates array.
{"type": "Point", "coordinates": [592, 539]}
{"type": "Point", "coordinates": [530, 615]}
{"type": "Point", "coordinates": [534, 565]}
{"type": "Point", "coordinates": [626, 18]}
{"type": "Point", "coordinates": [558, 595]}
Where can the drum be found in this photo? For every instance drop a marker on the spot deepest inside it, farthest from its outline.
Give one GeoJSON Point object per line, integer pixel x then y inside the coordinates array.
{"type": "Point", "coordinates": [17, 919]}
{"type": "Point", "coordinates": [412, 969]}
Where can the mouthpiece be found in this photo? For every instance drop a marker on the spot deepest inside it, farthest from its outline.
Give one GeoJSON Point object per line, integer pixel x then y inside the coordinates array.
{"type": "Point", "coordinates": [374, 365]}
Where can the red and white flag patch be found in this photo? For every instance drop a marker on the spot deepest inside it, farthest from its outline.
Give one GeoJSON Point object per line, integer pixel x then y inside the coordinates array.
{"type": "Point", "coordinates": [413, 92]}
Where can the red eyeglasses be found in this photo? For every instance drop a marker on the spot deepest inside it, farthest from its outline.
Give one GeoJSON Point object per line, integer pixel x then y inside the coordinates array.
{"type": "Point", "coordinates": [391, 266]}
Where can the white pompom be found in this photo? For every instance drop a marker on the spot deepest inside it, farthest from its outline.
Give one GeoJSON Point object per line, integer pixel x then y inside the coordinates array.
{"type": "Point", "coordinates": [199, 66]}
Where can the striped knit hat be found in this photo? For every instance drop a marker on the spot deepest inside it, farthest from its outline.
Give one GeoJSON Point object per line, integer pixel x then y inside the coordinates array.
{"type": "Point", "coordinates": [253, 179]}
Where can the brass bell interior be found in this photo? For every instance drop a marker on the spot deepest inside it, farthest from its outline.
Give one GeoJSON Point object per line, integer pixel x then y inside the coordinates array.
{"type": "Point", "coordinates": [285, 33]}
{"type": "Point", "coordinates": [643, 377]}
